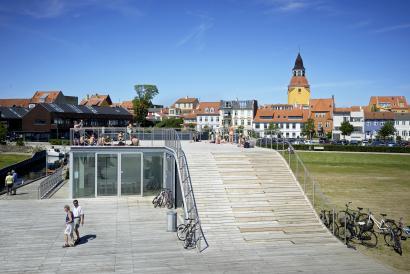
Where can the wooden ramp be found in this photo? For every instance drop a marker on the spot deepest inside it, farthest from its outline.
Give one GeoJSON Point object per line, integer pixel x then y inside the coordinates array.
{"type": "Point", "coordinates": [249, 200]}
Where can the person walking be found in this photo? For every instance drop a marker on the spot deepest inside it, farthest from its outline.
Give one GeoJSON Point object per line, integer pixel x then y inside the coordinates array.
{"type": "Point", "coordinates": [69, 225]}
{"type": "Point", "coordinates": [8, 183]}
{"type": "Point", "coordinates": [78, 219]}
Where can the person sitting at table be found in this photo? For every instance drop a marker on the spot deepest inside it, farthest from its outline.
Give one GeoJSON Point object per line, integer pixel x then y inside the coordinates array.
{"type": "Point", "coordinates": [107, 140]}
{"type": "Point", "coordinates": [91, 140]}
{"type": "Point", "coordinates": [121, 139]}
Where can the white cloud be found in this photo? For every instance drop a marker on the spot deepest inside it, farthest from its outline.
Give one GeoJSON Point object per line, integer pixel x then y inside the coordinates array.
{"type": "Point", "coordinates": [47, 9]}
{"type": "Point", "coordinates": [392, 28]}
{"type": "Point", "coordinates": [197, 35]}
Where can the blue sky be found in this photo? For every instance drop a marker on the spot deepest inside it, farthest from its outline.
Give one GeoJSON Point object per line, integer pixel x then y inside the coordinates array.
{"type": "Point", "coordinates": [216, 49]}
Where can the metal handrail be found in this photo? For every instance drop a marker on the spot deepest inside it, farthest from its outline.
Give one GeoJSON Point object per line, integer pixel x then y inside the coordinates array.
{"type": "Point", "coordinates": [300, 166]}
{"type": "Point", "coordinates": [101, 136]}
{"type": "Point", "coordinates": [190, 209]}
{"type": "Point", "coordinates": [49, 183]}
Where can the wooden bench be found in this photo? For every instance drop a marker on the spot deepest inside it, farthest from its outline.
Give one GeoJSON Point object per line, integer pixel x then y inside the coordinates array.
{"type": "Point", "coordinates": [318, 148]}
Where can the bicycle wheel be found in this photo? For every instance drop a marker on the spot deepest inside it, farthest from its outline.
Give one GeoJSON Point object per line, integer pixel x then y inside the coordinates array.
{"type": "Point", "coordinates": [181, 232]}
{"type": "Point", "coordinates": [369, 239]}
{"type": "Point", "coordinates": [343, 216]}
{"type": "Point", "coordinates": [397, 245]}
{"type": "Point", "coordinates": [392, 224]}
{"type": "Point", "coordinates": [389, 238]}
{"type": "Point", "coordinates": [169, 204]}
{"type": "Point", "coordinates": [348, 233]}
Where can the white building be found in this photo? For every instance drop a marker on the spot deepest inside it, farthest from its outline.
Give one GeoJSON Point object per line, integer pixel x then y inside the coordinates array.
{"type": "Point", "coordinates": [238, 113]}
{"type": "Point", "coordinates": [208, 116]}
{"type": "Point", "coordinates": [355, 116]}
{"type": "Point", "coordinates": [182, 106]}
{"type": "Point", "coordinates": [290, 121]}
{"type": "Point", "coordinates": [402, 125]}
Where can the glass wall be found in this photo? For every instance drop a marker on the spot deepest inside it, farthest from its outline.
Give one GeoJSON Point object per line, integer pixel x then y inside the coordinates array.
{"type": "Point", "coordinates": [112, 173]}
{"type": "Point", "coordinates": [153, 172]}
{"type": "Point", "coordinates": [83, 175]}
{"type": "Point", "coordinates": [107, 174]}
{"type": "Point", "coordinates": [131, 173]}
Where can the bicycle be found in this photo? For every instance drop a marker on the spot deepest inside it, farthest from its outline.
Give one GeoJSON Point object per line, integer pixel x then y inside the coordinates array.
{"type": "Point", "coordinates": [164, 198]}
{"type": "Point", "coordinates": [384, 225]}
{"type": "Point", "coordinates": [327, 218]}
{"type": "Point", "coordinates": [187, 233]}
{"type": "Point", "coordinates": [360, 230]}
{"type": "Point", "coordinates": [347, 215]}
{"type": "Point", "coordinates": [393, 239]}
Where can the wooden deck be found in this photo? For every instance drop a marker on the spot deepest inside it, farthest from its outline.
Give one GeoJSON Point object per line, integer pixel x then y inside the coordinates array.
{"type": "Point", "coordinates": [254, 224]}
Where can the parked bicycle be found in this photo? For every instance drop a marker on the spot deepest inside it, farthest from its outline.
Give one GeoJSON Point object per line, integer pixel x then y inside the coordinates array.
{"type": "Point", "coordinates": [329, 220]}
{"type": "Point", "coordinates": [354, 227]}
{"type": "Point", "coordinates": [187, 233]}
{"type": "Point", "coordinates": [164, 199]}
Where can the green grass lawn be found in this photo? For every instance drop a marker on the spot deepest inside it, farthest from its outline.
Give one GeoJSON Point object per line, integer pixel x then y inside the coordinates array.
{"type": "Point", "coordinates": [9, 159]}
{"type": "Point", "coordinates": [378, 182]}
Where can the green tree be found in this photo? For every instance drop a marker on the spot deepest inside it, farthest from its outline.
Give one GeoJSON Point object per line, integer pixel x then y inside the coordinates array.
{"type": "Point", "coordinates": [3, 132]}
{"type": "Point", "coordinates": [170, 123]}
{"type": "Point", "coordinates": [309, 128]}
{"type": "Point", "coordinates": [346, 128]}
{"type": "Point", "coordinates": [143, 101]}
{"type": "Point", "coordinates": [191, 125]}
{"type": "Point", "coordinates": [386, 130]}
{"type": "Point", "coordinates": [329, 135]}
{"type": "Point", "coordinates": [273, 129]}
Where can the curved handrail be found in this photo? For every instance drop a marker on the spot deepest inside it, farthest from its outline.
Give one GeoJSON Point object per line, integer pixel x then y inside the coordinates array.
{"type": "Point", "coordinates": [190, 208]}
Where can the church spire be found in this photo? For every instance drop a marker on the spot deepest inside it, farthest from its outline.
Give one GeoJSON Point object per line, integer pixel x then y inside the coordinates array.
{"type": "Point", "coordinates": [298, 69]}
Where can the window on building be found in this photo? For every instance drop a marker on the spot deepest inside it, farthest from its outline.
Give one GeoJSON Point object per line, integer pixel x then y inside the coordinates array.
{"type": "Point", "coordinates": [40, 122]}
{"type": "Point", "coordinates": [249, 122]}
{"type": "Point", "coordinates": [397, 123]}
{"type": "Point", "coordinates": [293, 125]}
{"type": "Point", "coordinates": [207, 110]}
{"type": "Point", "coordinates": [327, 124]}
{"type": "Point", "coordinates": [217, 119]}
{"type": "Point", "coordinates": [299, 90]}
{"type": "Point", "coordinates": [265, 126]}
{"type": "Point", "coordinates": [200, 118]}
{"type": "Point", "coordinates": [403, 123]}
{"type": "Point", "coordinates": [381, 123]}
{"type": "Point", "coordinates": [206, 119]}
{"type": "Point", "coordinates": [319, 125]}
{"type": "Point", "coordinates": [293, 134]}
{"type": "Point", "coordinates": [257, 125]}
{"type": "Point", "coordinates": [376, 123]}
{"type": "Point", "coordinates": [242, 122]}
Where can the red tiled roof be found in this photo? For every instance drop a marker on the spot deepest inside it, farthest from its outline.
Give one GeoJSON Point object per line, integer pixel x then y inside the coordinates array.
{"type": "Point", "coordinates": [186, 100]}
{"type": "Point", "coordinates": [204, 106]}
{"type": "Point", "coordinates": [298, 81]}
{"type": "Point", "coordinates": [45, 97]}
{"type": "Point", "coordinates": [394, 101]}
{"type": "Point", "coordinates": [96, 100]}
{"type": "Point", "coordinates": [322, 105]}
{"type": "Point", "coordinates": [379, 115]}
{"type": "Point", "coordinates": [268, 115]}
{"type": "Point", "coordinates": [337, 110]}
{"type": "Point", "coordinates": [14, 102]}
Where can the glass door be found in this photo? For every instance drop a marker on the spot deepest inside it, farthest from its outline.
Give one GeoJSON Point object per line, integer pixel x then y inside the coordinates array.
{"type": "Point", "coordinates": [107, 174]}
{"type": "Point", "coordinates": [131, 173]}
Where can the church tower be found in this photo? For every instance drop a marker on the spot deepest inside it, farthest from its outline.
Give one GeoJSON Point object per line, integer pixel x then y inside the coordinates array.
{"type": "Point", "coordinates": [298, 89]}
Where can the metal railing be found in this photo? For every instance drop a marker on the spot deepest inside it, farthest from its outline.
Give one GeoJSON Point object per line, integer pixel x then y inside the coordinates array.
{"type": "Point", "coordinates": [172, 141]}
{"type": "Point", "coordinates": [50, 182]}
{"type": "Point", "coordinates": [306, 180]}
{"type": "Point", "coordinates": [111, 136]}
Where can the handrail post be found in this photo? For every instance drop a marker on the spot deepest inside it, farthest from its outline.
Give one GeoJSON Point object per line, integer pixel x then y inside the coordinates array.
{"type": "Point", "coordinates": [304, 181]}
{"type": "Point", "coordinates": [313, 194]}
{"type": "Point", "coordinates": [333, 221]}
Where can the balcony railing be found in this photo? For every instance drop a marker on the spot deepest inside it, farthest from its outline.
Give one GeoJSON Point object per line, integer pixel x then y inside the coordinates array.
{"type": "Point", "coordinates": [123, 136]}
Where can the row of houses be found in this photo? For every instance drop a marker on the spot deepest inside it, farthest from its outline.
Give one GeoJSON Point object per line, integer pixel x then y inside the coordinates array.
{"type": "Point", "coordinates": [290, 119]}
{"type": "Point", "coordinates": [51, 114]}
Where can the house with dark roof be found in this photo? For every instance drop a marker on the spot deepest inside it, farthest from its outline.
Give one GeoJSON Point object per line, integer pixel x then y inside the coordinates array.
{"type": "Point", "coordinates": [11, 117]}
{"type": "Point", "coordinates": [52, 120]}
{"type": "Point", "coordinates": [373, 121]}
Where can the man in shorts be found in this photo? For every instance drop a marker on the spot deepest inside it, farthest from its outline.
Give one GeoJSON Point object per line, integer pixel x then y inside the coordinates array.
{"type": "Point", "coordinates": [78, 219]}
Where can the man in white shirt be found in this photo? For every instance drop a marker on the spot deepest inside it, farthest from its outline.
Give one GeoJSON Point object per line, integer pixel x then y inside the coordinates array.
{"type": "Point", "coordinates": [78, 219]}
